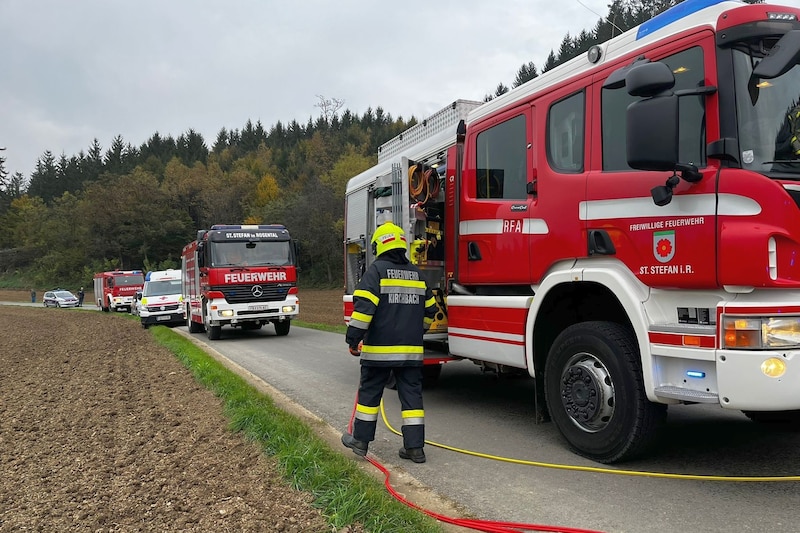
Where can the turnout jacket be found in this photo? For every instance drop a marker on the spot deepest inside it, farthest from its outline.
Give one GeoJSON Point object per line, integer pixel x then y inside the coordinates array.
{"type": "Point", "coordinates": [392, 309]}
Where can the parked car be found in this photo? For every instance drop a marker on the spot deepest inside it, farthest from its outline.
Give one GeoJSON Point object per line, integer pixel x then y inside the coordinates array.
{"type": "Point", "coordinates": [59, 298]}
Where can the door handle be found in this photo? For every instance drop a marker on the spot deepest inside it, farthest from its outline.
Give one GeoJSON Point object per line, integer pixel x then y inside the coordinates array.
{"type": "Point", "coordinates": [473, 251]}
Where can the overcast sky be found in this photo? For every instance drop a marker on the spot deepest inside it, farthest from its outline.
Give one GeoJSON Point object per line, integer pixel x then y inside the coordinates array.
{"type": "Point", "coordinates": [74, 71]}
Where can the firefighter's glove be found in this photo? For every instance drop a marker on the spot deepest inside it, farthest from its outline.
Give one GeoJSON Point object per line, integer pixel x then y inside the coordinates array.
{"type": "Point", "coordinates": [354, 351]}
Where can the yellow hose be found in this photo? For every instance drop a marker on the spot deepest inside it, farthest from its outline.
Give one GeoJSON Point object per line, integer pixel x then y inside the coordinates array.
{"type": "Point", "coordinates": [596, 469]}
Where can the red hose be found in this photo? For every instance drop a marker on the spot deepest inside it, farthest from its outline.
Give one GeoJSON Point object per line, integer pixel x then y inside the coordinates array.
{"type": "Point", "coordinates": [490, 526]}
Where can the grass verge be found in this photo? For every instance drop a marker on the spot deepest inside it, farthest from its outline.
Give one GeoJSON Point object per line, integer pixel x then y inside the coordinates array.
{"type": "Point", "coordinates": [345, 494]}
{"type": "Point", "coordinates": [322, 327]}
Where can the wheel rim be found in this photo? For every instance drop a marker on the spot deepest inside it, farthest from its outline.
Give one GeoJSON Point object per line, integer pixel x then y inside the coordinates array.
{"type": "Point", "coordinates": [587, 392]}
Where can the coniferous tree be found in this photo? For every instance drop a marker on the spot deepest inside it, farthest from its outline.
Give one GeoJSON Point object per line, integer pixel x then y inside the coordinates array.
{"type": "Point", "coordinates": [526, 72]}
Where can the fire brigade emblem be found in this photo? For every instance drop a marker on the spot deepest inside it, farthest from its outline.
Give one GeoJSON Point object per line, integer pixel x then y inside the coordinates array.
{"type": "Point", "coordinates": [664, 245]}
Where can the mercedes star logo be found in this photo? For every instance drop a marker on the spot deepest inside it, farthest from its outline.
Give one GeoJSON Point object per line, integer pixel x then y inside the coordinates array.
{"type": "Point", "coordinates": [257, 291]}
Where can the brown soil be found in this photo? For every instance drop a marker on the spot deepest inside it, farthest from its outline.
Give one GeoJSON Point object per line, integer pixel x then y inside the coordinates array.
{"type": "Point", "coordinates": [102, 429]}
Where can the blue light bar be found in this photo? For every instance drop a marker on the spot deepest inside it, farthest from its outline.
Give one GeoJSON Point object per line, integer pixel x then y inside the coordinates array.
{"type": "Point", "coordinates": [684, 9]}
{"type": "Point", "coordinates": [695, 374]}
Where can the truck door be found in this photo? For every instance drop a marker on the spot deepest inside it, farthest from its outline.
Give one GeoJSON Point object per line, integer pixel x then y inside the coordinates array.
{"type": "Point", "coordinates": [670, 245]}
{"type": "Point", "coordinates": [525, 228]}
{"type": "Point", "coordinates": [494, 226]}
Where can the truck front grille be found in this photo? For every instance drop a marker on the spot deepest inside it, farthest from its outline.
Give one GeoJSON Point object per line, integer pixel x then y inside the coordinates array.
{"type": "Point", "coordinates": [236, 294]}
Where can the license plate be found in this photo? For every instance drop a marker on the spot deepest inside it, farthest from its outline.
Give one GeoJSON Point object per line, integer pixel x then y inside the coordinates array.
{"type": "Point", "coordinates": [163, 317]}
{"type": "Point", "coordinates": [257, 307]}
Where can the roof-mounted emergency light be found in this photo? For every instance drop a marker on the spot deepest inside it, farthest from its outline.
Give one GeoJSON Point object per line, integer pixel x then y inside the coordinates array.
{"type": "Point", "coordinates": [662, 20]}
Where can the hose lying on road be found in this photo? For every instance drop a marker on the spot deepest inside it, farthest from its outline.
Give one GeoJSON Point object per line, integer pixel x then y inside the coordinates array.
{"type": "Point", "coordinates": [489, 526]}
{"type": "Point", "coordinates": [594, 469]}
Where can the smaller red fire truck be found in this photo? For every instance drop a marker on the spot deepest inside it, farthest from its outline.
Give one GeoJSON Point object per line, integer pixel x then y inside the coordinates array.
{"type": "Point", "coordinates": [116, 290]}
{"type": "Point", "coordinates": [240, 275]}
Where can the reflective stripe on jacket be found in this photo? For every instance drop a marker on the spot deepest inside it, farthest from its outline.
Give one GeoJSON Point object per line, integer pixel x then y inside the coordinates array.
{"type": "Point", "coordinates": [392, 308]}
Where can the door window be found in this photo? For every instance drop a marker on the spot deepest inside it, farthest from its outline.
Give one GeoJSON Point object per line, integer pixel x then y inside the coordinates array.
{"type": "Point", "coordinates": [501, 170]}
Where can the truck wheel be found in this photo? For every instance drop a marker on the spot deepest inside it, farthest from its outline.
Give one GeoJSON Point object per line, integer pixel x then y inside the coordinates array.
{"type": "Point", "coordinates": [145, 326]}
{"type": "Point", "coordinates": [595, 392]}
{"type": "Point", "coordinates": [102, 306]}
{"type": "Point", "coordinates": [213, 332]}
{"type": "Point", "coordinates": [191, 325]}
{"type": "Point", "coordinates": [282, 327]}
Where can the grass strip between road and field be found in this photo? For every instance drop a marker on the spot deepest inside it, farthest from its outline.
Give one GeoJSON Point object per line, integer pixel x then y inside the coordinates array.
{"type": "Point", "coordinates": [343, 493]}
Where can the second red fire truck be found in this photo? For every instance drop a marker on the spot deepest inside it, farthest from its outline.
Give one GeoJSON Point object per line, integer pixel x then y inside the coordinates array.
{"type": "Point", "coordinates": [625, 228]}
{"type": "Point", "coordinates": [240, 275]}
{"type": "Point", "coordinates": [115, 290]}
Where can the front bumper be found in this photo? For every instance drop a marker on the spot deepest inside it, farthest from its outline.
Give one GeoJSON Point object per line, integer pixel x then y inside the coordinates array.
{"type": "Point", "coordinates": [167, 318]}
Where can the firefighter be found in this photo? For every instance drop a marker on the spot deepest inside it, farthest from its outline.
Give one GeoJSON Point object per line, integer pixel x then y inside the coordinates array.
{"type": "Point", "coordinates": [392, 308]}
{"type": "Point", "coordinates": [787, 143]}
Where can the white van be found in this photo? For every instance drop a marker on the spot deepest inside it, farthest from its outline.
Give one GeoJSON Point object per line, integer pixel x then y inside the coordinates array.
{"type": "Point", "coordinates": [161, 301]}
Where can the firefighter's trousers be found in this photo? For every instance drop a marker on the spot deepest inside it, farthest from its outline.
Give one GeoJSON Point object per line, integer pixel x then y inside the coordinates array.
{"type": "Point", "coordinates": [409, 390]}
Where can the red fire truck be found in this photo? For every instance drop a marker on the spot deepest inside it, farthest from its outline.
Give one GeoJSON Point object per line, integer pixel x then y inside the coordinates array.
{"type": "Point", "coordinates": [240, 275]}
{"type": "Point", "coordinates": [625, 228]}
{"type": "Point", "coordinates": [115, 290]}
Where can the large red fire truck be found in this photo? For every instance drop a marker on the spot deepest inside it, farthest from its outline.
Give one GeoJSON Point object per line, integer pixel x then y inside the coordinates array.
{"type": "Point", "coordinates": [240, 275]}
{"type": "Point", "coordinates": [115, 290]}
{"type": "Point", "coordinates": [625, 228]}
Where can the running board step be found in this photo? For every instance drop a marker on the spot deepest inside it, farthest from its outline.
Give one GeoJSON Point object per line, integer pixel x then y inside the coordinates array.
{"type": "Point", "coordinates": [687, 395]}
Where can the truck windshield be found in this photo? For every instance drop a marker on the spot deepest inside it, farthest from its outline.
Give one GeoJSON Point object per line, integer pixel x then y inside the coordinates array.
{"type": "Point", "coordinates": [126, 281]}
{"type": "Point", "coordinates": [768, 116]}
{"type": "Point", "coordinates": [162, 288]}
{"type": "Point", "coordinates": [271, 253]}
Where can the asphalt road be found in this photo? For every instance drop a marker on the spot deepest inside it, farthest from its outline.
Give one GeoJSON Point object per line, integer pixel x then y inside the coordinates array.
{"type": "Point", "coordinates": [477, 412]}
{"type": "Point", "coordinates": [480, 413]}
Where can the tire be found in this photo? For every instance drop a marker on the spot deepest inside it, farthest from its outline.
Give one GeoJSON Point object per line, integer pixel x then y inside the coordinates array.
{"type": "Point", "coordinates": [192, 326]}
{"type": "Point", "coordinates": [58, 305]}
{"type": "Point", "coordinates": [282, 327]}
{"type": "Point", "coordinates": [782, 419]}
{"type": "Point", "coordinates": [595, 392]}
{"type": "Point", "coordinates": [213, 332]}
{"type": "Point", "coordinates": [145, 326]}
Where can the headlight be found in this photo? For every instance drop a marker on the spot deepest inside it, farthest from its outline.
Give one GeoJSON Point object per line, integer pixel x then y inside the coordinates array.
{"type": "Point", "coordinates": [761, 333]}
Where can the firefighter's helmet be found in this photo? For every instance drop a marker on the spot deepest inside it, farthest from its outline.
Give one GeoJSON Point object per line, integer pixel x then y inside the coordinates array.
{"type": "Point", "coordinates": [387, 237]}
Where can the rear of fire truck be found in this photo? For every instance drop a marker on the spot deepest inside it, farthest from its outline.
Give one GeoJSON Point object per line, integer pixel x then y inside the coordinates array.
{"type": "Point", "coordinates": [406, 187]}
{"type": "Point", "coordinates": [241, 276]}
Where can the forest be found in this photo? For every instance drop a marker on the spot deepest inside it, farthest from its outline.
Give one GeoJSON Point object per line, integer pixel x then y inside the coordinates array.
{"type": "Point", "coordinates": [135, 207]}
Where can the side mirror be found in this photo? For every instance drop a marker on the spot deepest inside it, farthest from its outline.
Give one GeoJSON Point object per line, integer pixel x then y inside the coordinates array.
{"type": "Point", "coordinates": [296, 252]}
{"type": "Point", "coordinates": [649, 79]}
{"type": "Point", "coordinates": [783, 56]}
{"type": "Point", "coordinates": [652, 142]}
{"type": "Point", "coordinates": [201, 255]}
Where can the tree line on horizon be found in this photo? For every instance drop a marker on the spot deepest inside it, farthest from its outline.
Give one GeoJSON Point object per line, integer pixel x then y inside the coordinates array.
{"type": "Point", "coordinates": [137, 206]}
